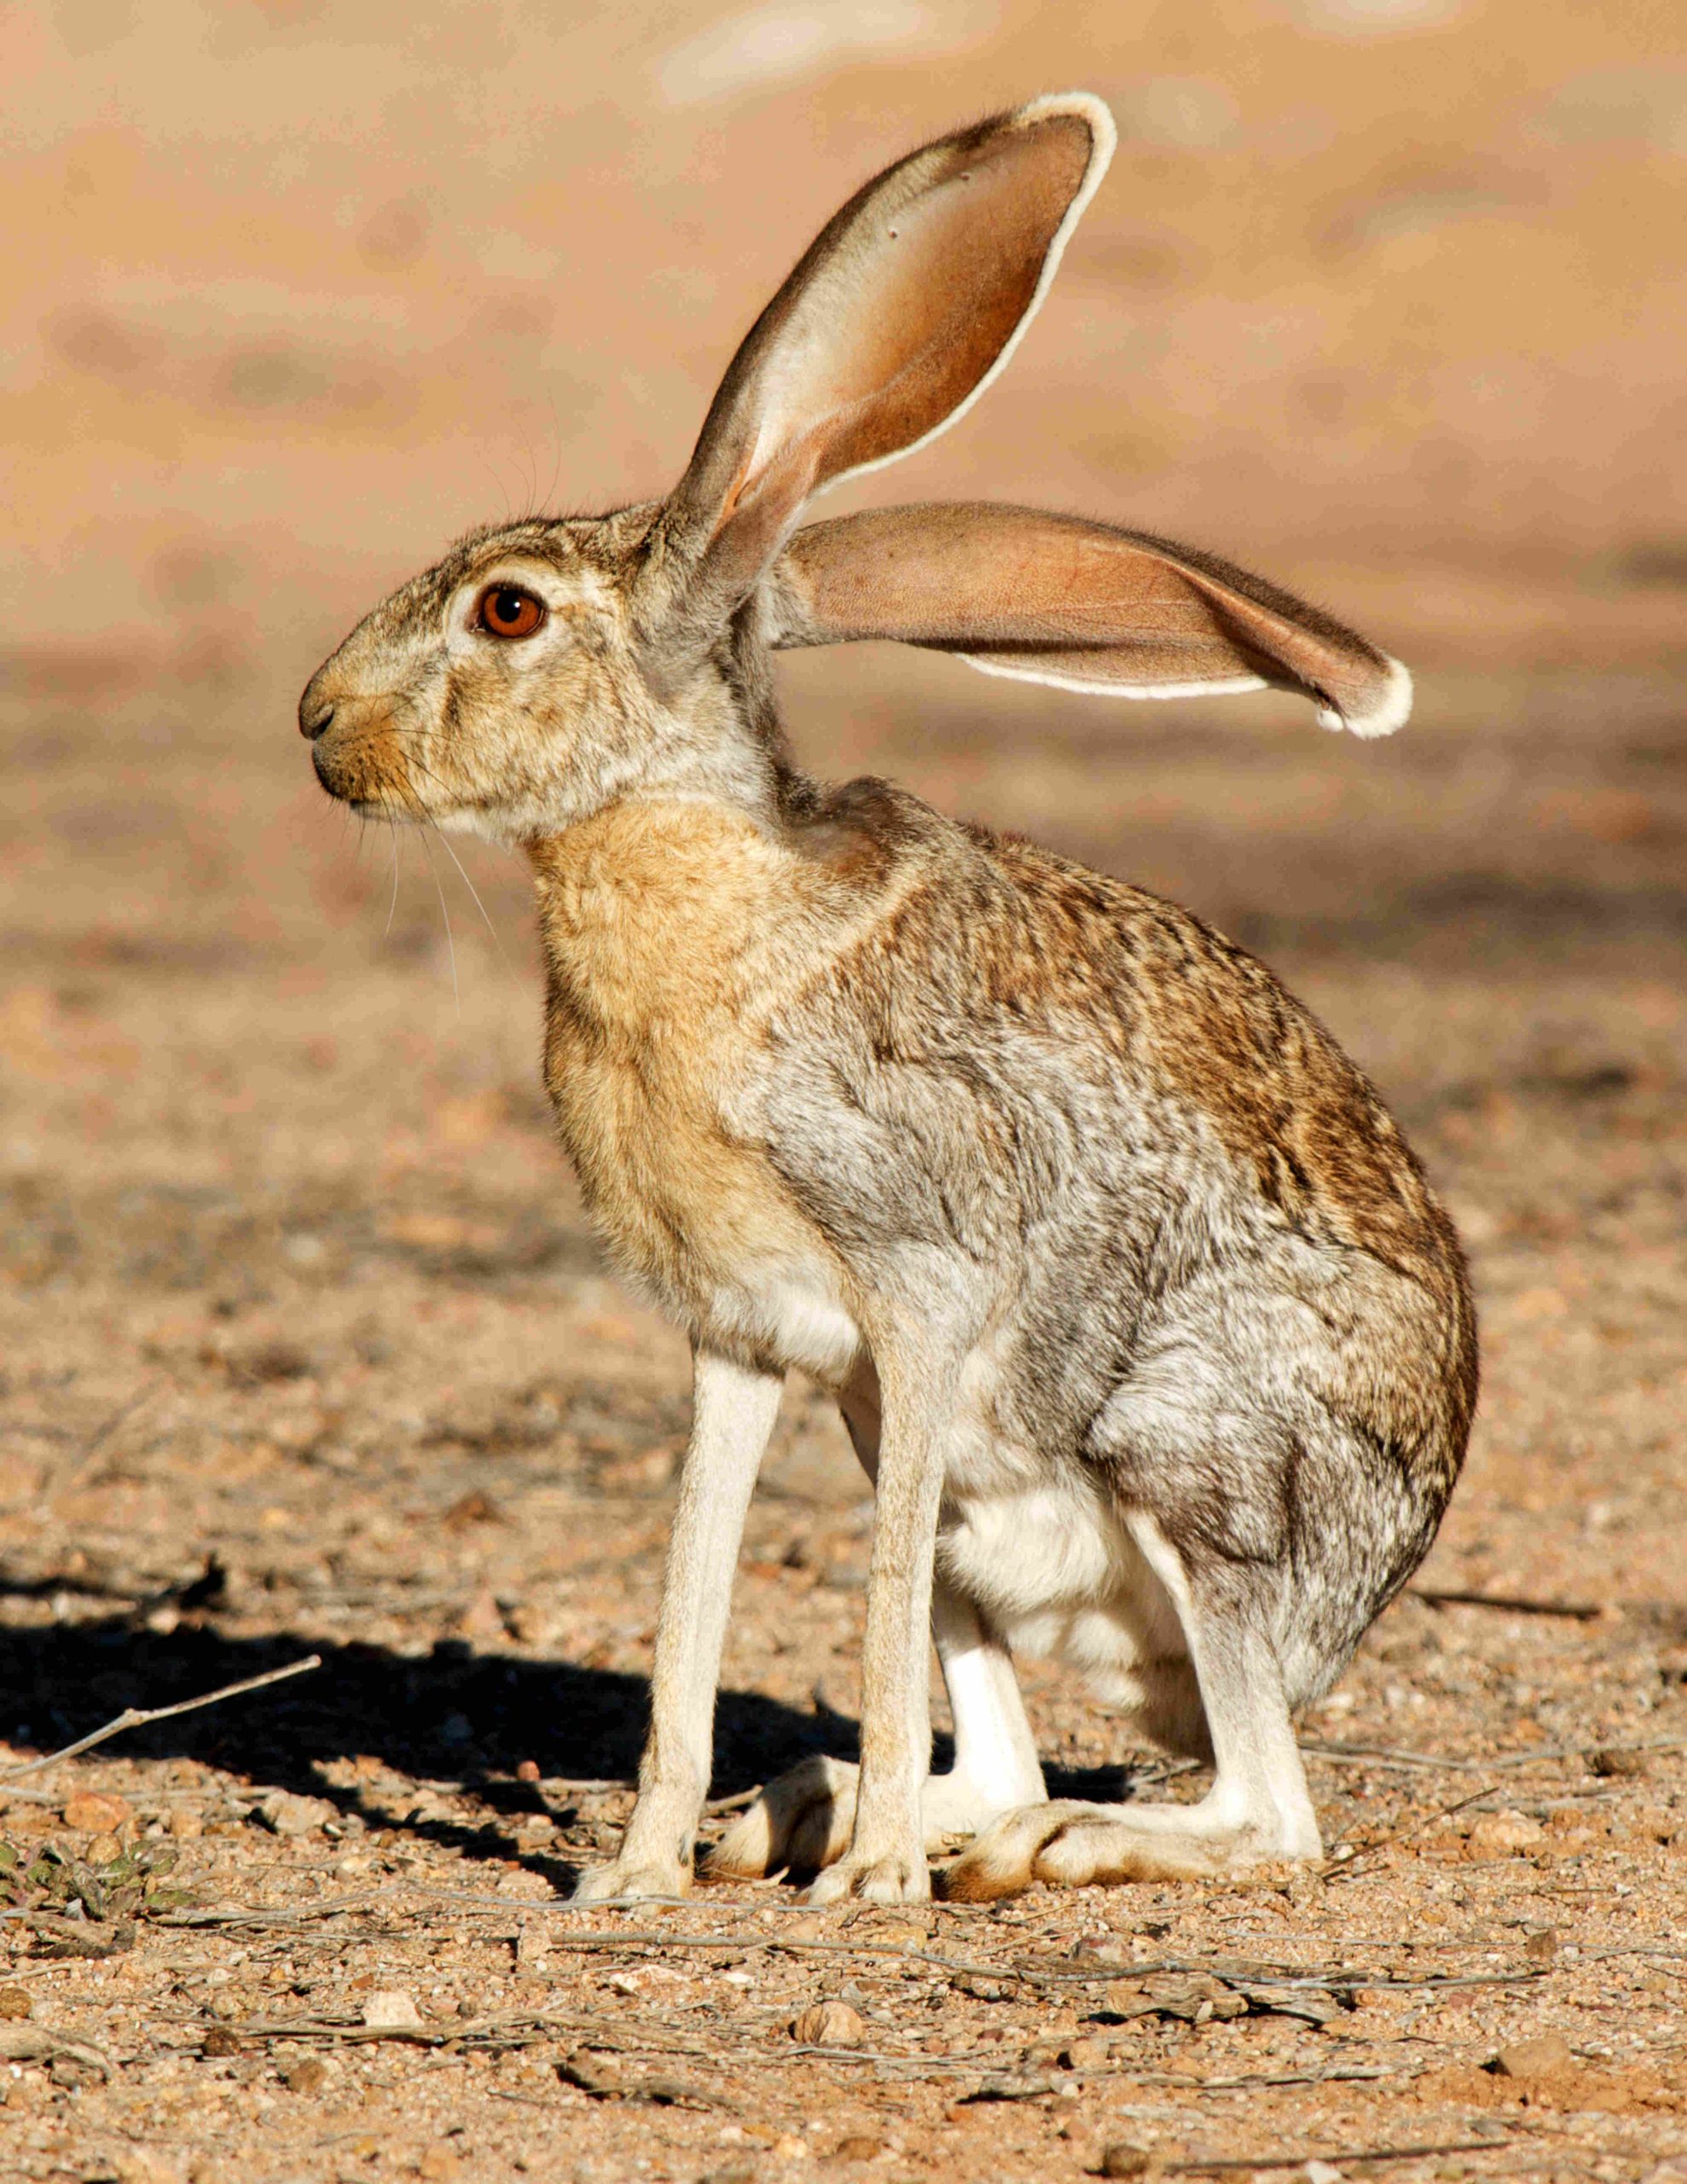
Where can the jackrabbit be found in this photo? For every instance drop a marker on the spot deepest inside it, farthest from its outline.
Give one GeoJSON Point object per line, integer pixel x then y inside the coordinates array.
{"type": "Point", "coordinates": [1138, 1310]}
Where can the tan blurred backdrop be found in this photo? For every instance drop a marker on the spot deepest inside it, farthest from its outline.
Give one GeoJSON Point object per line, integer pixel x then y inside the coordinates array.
{"type": "Point", "coordinates": [1383, 295]}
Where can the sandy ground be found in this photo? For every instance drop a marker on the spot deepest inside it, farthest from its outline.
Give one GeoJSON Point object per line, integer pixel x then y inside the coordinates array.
{"type": "Point", "coordinates": [305, 1349]}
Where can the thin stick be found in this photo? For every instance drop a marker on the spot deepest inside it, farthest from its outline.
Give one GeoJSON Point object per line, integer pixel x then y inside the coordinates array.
{"type": "Point", "coordinates": [90, 1451]}
{"type": "Point", "coordinates": [1354, 1755]}
{"type": "Point", "coordinates": [1345, 1872]}
{"type": "Point", "coordinates": [1580, 1750]}
{"type": "Point", "coordinates": [135, 1717]}
{"type": "Point", "coordinates": [1379, 1754]}
{"type": "Point", "coordinates": [1509, 1603]}
{"type": "Point", "coordinates": [1348, 2153]}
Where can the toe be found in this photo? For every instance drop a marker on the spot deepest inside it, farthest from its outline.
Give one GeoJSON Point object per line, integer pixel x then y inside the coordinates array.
{"type": "Point", "coordinates": [616, 1881]}
{"type": "Point", "coordinates": [745, 1851]}
{"type": "Point", "coordinates": [876, 1880]}
{"type": "Point", "coordinates": [1003, 1860]}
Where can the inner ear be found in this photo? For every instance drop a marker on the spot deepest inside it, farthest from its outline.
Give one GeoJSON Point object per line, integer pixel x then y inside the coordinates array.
{"type": "Point", "coordinates": [1058, 599]}
{"type": "Point", "coordinates": [896, 318]}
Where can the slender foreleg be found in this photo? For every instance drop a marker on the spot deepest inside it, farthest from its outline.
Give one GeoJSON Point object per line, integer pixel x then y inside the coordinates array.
{"type": "Point", "coordinates": [734, 1412]}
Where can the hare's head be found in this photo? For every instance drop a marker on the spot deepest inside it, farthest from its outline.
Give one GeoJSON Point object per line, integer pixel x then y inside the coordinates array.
{"type": "Point", "coordinates": [542, 669]}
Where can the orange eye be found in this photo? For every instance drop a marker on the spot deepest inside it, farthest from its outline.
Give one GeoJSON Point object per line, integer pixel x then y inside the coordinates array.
{"type": "Point", "coordinates": [505, 610]}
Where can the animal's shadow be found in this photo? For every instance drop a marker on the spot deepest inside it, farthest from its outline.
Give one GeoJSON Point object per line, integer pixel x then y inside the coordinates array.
{"type": "Point", "coordinates": [452, 1714]}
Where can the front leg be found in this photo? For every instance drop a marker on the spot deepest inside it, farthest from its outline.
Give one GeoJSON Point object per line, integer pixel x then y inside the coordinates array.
{"type": "Point", "coordinates": [885, 1861]}
{"type": "Point", "coordinates": [733, 1415]}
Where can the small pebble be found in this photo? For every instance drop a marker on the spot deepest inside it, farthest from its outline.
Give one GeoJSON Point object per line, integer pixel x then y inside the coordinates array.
{"type": "Point", "coordinates": [1504, 1834]}
{"type": "Point", "coordinates": [1541, 1945]}
{"type": "Point", "coordinates": [1618, 1764]}
{"type": "Point", "coordinates": [95, 1811]}
{"type": "Point", "coordinates": [1546, 2056]}
{"type": "Point", "coordinates": [285, 1813]}
{"type": "Point", "coordinates": [828, 2025]}
{"type": "Point", "coordinates": [393, 2010]}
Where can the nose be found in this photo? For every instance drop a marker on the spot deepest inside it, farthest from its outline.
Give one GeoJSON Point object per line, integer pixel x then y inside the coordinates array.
{"type": "Point", "coordinates": [315, 712]}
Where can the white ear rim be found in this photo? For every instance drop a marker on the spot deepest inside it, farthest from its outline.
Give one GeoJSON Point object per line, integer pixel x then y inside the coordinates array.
{"type": "Point", "coordinates": [1391, 711]}
{"type": "Point", "coordinates": [1225, 687]}
{"type": "Point", "coordinates": [1105, 140]}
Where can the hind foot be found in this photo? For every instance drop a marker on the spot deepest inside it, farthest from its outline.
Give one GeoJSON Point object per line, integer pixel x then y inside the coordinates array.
{"type": "Point", "coordinates": [1073, 1845]}
{"type": "Point", "coordinates": [806, 1818]}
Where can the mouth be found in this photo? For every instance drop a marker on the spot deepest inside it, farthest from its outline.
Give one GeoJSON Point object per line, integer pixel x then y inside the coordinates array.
{"type": "Point", "coordinates": [344, 774]}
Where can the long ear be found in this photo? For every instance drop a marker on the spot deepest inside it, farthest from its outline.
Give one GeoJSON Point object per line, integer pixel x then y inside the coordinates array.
{"type": "Point", "coordinates": [1055, 599]}
{"type": "Point", "coordinates": [900, 313]}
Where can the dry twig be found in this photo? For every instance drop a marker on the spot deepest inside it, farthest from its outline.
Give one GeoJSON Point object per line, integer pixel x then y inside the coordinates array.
{"type": "Point", "coordinates": [1357, 1863]}
{"type": "Point", "coordinates": [136, 1717]}
{"type": "Point", "coordinates": [1371, 2154]}
{"type": "Point", "coordinates": [1508, 1603]}
{"type": "Point", "coordinates": [93, 1448]}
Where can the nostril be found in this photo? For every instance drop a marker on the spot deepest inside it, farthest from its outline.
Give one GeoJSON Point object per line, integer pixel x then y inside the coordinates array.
{"type": "Point", "coordinates": [315, 715]}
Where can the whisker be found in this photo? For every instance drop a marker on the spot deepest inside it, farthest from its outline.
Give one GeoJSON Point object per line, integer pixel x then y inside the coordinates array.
{"type": "Point", "coordinates": [392, 907]}
{"type": "Point", "coordinates": [556, 441]}
{"type": "Point", "coordinates": [497, 938]}
{"type": "Point", "coordinates": [450, 942]}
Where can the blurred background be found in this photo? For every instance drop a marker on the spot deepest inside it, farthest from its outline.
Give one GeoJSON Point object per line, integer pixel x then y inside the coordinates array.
{"type": "Point", "coordinates": [1387, 293]}
{"type": "Point", "coordinates": [1384, 298]}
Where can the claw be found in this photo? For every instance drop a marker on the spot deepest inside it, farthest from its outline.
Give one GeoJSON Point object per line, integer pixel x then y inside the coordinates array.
{"type": "Point", "coordinates": [874, 1880]}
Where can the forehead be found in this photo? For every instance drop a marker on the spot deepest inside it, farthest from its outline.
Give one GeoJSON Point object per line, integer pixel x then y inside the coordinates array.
{"type": "Point", "coordinates": [564, 545]}
{"type": "Point", "coordinates": [581, 546]}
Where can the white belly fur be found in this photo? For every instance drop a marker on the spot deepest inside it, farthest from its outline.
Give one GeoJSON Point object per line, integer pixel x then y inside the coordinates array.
{"type": "Point", "coordinates": [1050, 1564]}
{"type": "Point", "coordinates": [794, 1313]}
{"type": "Point", "coordinates": [1059, 1577]}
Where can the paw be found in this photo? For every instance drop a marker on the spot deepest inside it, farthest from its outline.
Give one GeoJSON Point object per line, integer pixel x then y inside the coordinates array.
{"type": "Point", "coordinates": [901, 1878]}
{"type": "Point", "coordinates": [803, 1819]}
{"type": "Point", "coordinates": [1003, 1860]}
{"type": "Point", "coordinates": [623, 1878]}
{"type": "Point", "coordinates": [1071, 1845]}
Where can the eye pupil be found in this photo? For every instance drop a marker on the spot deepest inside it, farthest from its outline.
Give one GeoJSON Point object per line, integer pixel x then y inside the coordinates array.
{"type": "Point", "coordinates": [506, 611]}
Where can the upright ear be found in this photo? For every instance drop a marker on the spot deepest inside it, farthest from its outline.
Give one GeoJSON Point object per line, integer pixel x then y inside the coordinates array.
{"type": "Point", "coordinates": [900, 313]}
{"type": "Point", "coordinates": [1055, 599]}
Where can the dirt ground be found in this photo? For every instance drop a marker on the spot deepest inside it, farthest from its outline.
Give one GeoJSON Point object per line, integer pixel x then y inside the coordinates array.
{"type": "Point", "coordinates": [305, 1350]}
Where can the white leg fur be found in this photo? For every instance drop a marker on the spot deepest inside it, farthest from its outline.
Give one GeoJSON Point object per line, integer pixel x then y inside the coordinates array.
{"type": "Point", "coordinates": [885, 1860]}
{"type": "Point", "coordinates": [733, 1415]}
{"type": "Point", "coordinates": [1257, 1810]}
{"type": "Point", "coordinates": [806, 1817]}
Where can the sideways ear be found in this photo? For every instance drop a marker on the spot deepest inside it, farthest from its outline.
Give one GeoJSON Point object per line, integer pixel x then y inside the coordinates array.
{"type": "Point", "coordinates": [1054, 599]}
{"type": "Point", "coordinates": [902, 310]}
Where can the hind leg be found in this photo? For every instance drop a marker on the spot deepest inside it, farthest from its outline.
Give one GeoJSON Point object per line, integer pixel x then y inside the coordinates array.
{"type": "Point", "coordinates": [1258, 1810]}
